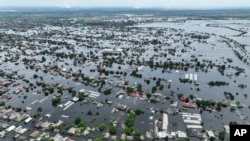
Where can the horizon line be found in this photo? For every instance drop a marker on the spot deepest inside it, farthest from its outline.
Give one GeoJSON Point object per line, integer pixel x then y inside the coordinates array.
{"type": "Point", "coordinates": [131, 7]}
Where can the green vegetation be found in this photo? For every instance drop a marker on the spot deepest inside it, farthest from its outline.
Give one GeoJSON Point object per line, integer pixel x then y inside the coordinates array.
{"type": "Point", "coordinates": [233, 123]}
{"type": "Point", "coordinates": [81, 96]}
{"type": "Point", "coordinates": [217, 83]}
{"type": "Point", "coordinates": [205, 103]}
{"type": "Point", "coordinates": [43, 59]}
{"type": "Point", "coordinates": [50, 90]}
{"type": "Point", "coordinates": [130, 89]}
{"type": "Point", "coordinates": [183, 80]}
{"type": "Point", "coordinates": [35, 76]}
{"type": "Point", "coordinates": [77, 120]}
{"type": "Point", "coordinates": [180, 95]}
{"type": "Point", "coordinates": [135, 74]}
{"type": "Point", "coordinates": [60, 91]}
{"type": "Point", "coordinates": [149, 95]}
{"type": "Point", "coordinates": [56, 101]}
{"type": "Point", "coordinates": [222, 135]}
{"type": "Point", "coordinates": [112, 129]}
{"type": "Point", "coordinates": [139, 87]}
{"type": "Point", "coordinates": [80, 124]}
{"type": "Point", "coordinates": [238, 55]}
{"type": "Point", "coordinates": [154, 101]}
{"type": "Point", "coordinates": [70, 89]}
{"type": "Point", "coordinates": [161, 87]}
{"type": "Point", "coordinates": [137, 136]}
{"type": "Point", "coordinates": [2, 103]}
{"type": "Point", "coordinates": [148, 81]}
{"type": "Point", "coordinates": [73, 93]}
{"type": "Point", "coordinates": [107, 91]}
{"type": "Point", "coordinates": [98, 139]}
{"type": "Point", "coordinates": [229, 95]}
{"type": "Point", "coordinates": [139, 111]}
{"type": "Point", "coordinates": [155, 42]}
{"type": "Point", "coordinates": [50, 128]}
{"type": "Point", "coordinates": [191, 96]}
{"type": "Point", "coordinates": [129, 123]}
{"type": "Point", "coordinates": [89, 112]}
{"type": "Point", "coordinates": [154, 88]}
{"type": "Point", "coordinates": [39, 109]}
{"type": "Point", "coordinates": [101, 127]}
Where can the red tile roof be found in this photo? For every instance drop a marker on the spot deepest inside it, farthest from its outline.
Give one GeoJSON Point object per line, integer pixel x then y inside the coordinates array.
{"type": "Point", "coordinates": [183, 98]}
{"type": "Point", "coordinates": [134, 94]}
{"type": "Point", "coordinates": [188, 105]}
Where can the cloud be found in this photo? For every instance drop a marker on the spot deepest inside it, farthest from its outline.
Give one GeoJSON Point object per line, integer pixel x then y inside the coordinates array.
{"type": "Point", "coordinates": [65, 4]}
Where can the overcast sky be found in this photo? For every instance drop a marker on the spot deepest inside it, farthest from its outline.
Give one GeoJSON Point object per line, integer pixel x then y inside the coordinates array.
{"type": "Point", "coordinates": [130, 3]}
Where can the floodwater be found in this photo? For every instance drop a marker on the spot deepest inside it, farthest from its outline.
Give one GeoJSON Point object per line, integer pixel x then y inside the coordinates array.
{"type": "Point", "coordinates": [212, 50]}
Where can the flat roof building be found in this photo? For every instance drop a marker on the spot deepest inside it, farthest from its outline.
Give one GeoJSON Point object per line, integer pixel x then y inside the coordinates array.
{"type": "Point", "coordinates": [210, 134]}
{"type": "Point", "coordinates": [165, 122]}
{"type": "Point", "coordinates": [28, 120]}
{"type": "Point", "coordinates": [11, 128]}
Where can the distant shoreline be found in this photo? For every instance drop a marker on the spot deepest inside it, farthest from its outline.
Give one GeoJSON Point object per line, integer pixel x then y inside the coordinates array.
{"type": "Point", "coordinates": [120, 8]}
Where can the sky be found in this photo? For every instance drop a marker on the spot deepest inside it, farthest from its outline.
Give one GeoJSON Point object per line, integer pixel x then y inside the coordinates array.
{"type": "Point", "coordinates": [130, 3]}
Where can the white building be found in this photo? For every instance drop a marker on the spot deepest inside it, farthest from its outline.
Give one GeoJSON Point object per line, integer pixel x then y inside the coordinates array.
{"type": "Point", "coordinates": [165, 122]}
{"type": "Point", "coordinates": [28, 120]}
{"type": "Point", "coordinates": [11, 128]}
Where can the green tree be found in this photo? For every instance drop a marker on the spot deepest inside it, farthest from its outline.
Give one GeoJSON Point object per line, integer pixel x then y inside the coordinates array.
{"type": "Point", "coordinates": [101, 127]}
{"type": "Point", "coordinates": [39, 109]}
{"type": "Point", "coordinates": [70, 89]}
{"type": "Point", "coordinates": [56, 101]}
{"type": "Point", "coordinates": [161, 87]}
{"type": "Point", "coordinates": [139, 87]}
{"type": "Point", "coordinates": [112, 130]}
{"type": "Point", "coordinates": [43, 59]}
{"type": "Point", "coordinates": [222, 135]}
{"type": "Point", "coordinates": [107, 91]}
{"type": "Point", "coordinates": [35, 76]}
{"type": "Point", "coordinates": [73, 94]}
{"type": "Point", "coordinates": [81, 124]}
{"type": "Point", "coordinates": [130, 120]}
{"type": "Point", "coordinates": [81, 96]}
{"type": "Point", "coordinates": [98, 139]}
{"type": "Point", "coordinates": [139, 111]}
{"type": "Point", "coordinates": [148, 95]}
{"type": "Point", "coordinates": [50, 89]}
{"type": "Point", "coordinates": [154, 88]}
{"type": "Point", "coordinates": [60, 90]}
{"type": "Point", "coordinates": [77, 120]}
{"type": "Point", "coordinates": [137, 136]}
{"type": "Point", "coordinates": [128, 130]}
{"type": "Point", "coordinates": [130, 89]}
{"type": "Point", "coordinates": [191, 97]}
{"type": "Point", "coordinates": [2, 103]}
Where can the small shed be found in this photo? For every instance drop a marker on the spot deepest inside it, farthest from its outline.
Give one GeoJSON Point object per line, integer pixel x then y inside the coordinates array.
{"type": "Point", "coordinates": [233, 103]}
{"type": "Point", "coordinates": [181, 134]}
{"type": "Point", "coordinates": [210, 134]}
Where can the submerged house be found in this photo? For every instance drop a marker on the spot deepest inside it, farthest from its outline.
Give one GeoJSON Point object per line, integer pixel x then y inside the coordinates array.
{"type": "Point", "coordinates": [134, 94]}
{"type": "Point", "coordinates": [183, 98]}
